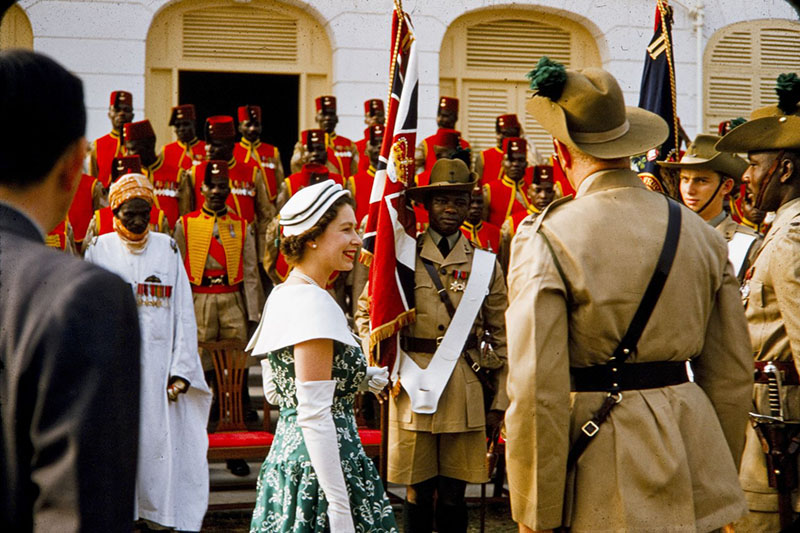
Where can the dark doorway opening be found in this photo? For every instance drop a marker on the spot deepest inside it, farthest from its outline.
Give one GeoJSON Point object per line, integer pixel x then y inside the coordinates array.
{"type": "Point", "coordinates": [221, 93]}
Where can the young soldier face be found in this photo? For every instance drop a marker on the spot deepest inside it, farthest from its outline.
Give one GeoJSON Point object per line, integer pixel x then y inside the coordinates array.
{"type": "Point", "coordinates": [134, 215]}
{"type": "Point", "coordinates": [446, 118]}
{"type": "Point", "coordinates": [216, 190]}
{"type": "Point", "coordinates": [221, 149]}
{"type": "Point", "coordinates": [120, 115]}
{"type": "Point", "coordinates": [184, 130]}
{"type": "Point", "coordinates": [447, 211]}
{"type": "Point", "coordinates": [699, 191]}
{"type": "Point", "coordinates": [475, 212]}
{"type": "Point", "coordinates": [515, 164]}
{"type": "Point", "coordinates": [543, 194]}
{"type": "Point", "coordinates": [250, 129]}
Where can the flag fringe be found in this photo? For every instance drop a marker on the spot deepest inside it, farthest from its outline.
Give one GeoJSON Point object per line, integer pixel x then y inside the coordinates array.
{"type": "Point", "coordinates": [387, 330]}
{"type": "Point", "coordinates": [365, 257]}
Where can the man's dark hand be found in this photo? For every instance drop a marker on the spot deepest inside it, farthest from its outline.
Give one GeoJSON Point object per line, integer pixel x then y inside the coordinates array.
{"type": "Point", "coordinates": [494, 420]}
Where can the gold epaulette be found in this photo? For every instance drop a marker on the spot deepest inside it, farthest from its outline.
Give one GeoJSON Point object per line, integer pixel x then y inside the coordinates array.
{"type": "Point", "coordinates": [232, 232]}
{"type": "Point", "coordinates": [199, 230]}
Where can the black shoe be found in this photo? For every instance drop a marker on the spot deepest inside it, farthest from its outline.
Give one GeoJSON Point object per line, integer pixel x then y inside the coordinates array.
{"type": "Point", "coordinates": [451, 518]}
{"type": "Point", "coordinates": [417, 518]}
{"type": "Point", "coordinates": [238, 467]}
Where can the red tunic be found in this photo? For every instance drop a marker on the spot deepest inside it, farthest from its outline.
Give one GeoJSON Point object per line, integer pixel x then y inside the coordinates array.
{"type": "Point", "coordinates": [265, 154]}
{"type": "Point", "coordinates": [519, 216]}
{"type": "Point", "coordinates": [340, 153]}
{"type": "Point", "coordinates": [560, 181]}
{"type": "Point", "coordinates": [104, 220]}
{"type": "Point", "coordinates": [298, 180]}
{"type": "Point", "coordinates": [492, 165]}
{"type": "Point", "coordinates": [82, 207]}
{"type": "Point", "coordinates": [106, 148]}
{"type": "Point", "coordinates": [483, 235]}
{"type": "Point", "coordinates": [361, 147]}
{"type": "Point", "coordinates": [242, 177]}
{"type": "Point", "coordinates": [179, 155]}
{"type": "Point", "coordinates": [505, 197]}
{"type": "Point", "coordinates": [58, 237]}
{"type": "Point", "coordinates": [166, 180]}
{"type": "Point", "coordinates": [361, 188]}
{"type": "Point", "coordinates": [430, 142]}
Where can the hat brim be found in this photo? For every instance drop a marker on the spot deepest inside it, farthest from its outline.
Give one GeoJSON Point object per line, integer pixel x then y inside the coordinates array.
{"type": "Point", "coordinates": [762, 134]}
{"type": "Point", "coordinates": [718, 163]}
{"type": "Point", "coordinates": [418, 194]}
{"type": "Point", "coordinates": [647, 130]}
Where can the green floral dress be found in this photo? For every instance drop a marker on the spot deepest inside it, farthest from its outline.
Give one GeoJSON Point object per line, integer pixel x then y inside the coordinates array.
{"type": "Point", "coordinates": [289, 497]}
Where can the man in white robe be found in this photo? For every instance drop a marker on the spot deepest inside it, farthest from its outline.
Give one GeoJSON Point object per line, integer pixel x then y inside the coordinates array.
{"type": "Point", "coordinates": [172, 479]}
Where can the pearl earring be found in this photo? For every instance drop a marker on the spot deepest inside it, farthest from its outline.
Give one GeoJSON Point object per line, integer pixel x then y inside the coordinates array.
{"type": "Point", "coordinates": [313, 245]}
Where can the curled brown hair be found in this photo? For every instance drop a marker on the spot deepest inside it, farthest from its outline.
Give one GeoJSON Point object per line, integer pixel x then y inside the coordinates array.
{"type": "Point", "coordinates": [293, 248]}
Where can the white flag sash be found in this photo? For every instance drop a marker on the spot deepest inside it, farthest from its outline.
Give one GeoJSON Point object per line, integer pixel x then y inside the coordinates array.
{"type": "Point", "coordinates": [425, 386]}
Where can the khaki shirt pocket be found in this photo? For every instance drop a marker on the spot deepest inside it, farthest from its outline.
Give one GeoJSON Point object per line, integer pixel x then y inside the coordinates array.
{"type": "Point", "coordinates": [476, 417]}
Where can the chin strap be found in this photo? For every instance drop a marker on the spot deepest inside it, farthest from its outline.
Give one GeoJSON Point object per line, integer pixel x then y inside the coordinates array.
{"type": "Point", "coordinates": [722, 179]}
{"type": "Point", "coordinates": [773, 167]}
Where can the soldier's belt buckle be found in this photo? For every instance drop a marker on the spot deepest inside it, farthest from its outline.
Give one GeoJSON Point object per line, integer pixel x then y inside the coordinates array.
{"type": "Point", "coordinates": [439, 340]}
{"type": "Point", "coordinates": [218, 280]}
{"type": "Point", "coordinates": [590, 428]}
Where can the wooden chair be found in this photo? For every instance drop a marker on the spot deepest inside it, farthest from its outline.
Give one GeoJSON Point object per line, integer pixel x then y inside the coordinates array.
{"type": "Point", "coordinates": [231, 438]}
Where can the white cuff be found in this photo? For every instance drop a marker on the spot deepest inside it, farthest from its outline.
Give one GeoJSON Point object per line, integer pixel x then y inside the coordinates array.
{"type": "Point", "coordinates": [314, 400]}
{"type": "Point", "coordinates": [267, 382]}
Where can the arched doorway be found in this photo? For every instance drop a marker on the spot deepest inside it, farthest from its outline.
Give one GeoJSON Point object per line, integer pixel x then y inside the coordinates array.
{"type": "Point", "coordinates": [15, 29]}
{"type": "Point", "coordinates": [485, 56]}
{"type": "Point", "coordinates": [740, 65]}
{"type": "Point", "coordinates": [219, 55]}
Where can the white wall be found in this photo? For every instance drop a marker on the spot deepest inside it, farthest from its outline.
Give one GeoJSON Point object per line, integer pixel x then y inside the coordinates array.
{"type": "Point", "coordinates": [104, 43]}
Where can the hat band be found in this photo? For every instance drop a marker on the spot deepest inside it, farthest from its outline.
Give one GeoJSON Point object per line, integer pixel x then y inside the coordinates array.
{"type": "Point", "coordinates": [691, 160]}
{"type": "Point", "coordinates": [601, 136]}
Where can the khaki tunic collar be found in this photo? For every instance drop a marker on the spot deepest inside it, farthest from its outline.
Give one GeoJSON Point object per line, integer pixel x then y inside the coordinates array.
{"type": "Point", "coordinates": [608, 179]}
{"type": "Point", "coordinates": [460, 253]}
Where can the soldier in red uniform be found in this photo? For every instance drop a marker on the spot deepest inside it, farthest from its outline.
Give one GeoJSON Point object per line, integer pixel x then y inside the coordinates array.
{"type": "Point", "coordinates": [248, 196]}
{"type": "Point", "coordinates": [360, 185]}
{"type": "Point", "coordinates": [251, 149]}
{"type": "Point", "coordinates": [313, 170]}
{"type": "Point", "coordinates": [188, 150]}
{"type": "Point", "coordinates": [342, 152]}
{"type": "Point", "coordinates": [89, 197]}
{"type": "Point", "coordinates": [62, 238]}
{"type": "Point", "coordinates": [140, 139]}
{"type": "Point", "coordinates": [481, 234]}
{"type": "Point", "coordinates": [541, 193]}
{"type": "Point", "coordinates": [446, 118]}
{"type": "Point", "coordinates": [489, 163]}
{"type": "Point", "coordinates": [102, 220]}
{"type": "Point", "coordinates": [111, 145]}
{"type": "Point", "coordinates": [508, 194]}
{"type": "Point", "coordinates": [374, 115]}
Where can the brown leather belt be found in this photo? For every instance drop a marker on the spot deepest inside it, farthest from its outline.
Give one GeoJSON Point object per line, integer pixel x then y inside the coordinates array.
{"type": "Point", "coordinates": [629, 376]}
{"type": "Point", "coordinates": [788, 371]}
{"type": "Point", "coordinates": [417, 344]}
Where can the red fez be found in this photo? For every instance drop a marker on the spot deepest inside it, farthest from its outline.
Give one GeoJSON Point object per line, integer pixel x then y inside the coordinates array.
{"type": "Point", "coordinates": [249, 112]}
{"type": "Point", "coordinates": [312, 136]}
{"type": "Point", "coordinates": [447, 138]}
{"type": "Point", "coordinates": [451, 104]}
{"type": "Point", "coordinates": [515, 145]}
{"type": "Point", "coordinates": [128, 164]}
{"type": "Point", "coordinates": [120, 97]}
{"type": "Point", "coordinates": [135, 131]}
{"type": "Point", "coordinates": [376, 133]}
{"type": "Point", "coordinates": [372, 106]}
{"type": "Point", "coordinates": [220, 127]}
{"type": "Point", "coordinates": [543, 174]}
{"type": "Point", "coordinates": [214, 168]}
{"type": "Point", "coordinates": [181, 112]}
{"type": "Point", "coordinates": [506, 121]}
{"type": "Point", "coordinates": [326, 104]}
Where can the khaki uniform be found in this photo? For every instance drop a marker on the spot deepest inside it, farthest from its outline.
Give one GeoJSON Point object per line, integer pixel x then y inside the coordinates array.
{"type": "Point", "coordinates": [452, 441]}
{"type": "Point", "coordinates": [225, 315]}
{"type": "Point", "coordinates": [666, 458]}
{"type": "Point", "coordinates": [728, 228]}
{"type": "Point", "coordinates": [773, 316]}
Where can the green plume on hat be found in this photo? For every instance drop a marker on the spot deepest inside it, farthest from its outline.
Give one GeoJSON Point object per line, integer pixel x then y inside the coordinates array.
{"type": "Point", "coordinates": [548, 78]}
{"type": "Point", "coordinates": [787, 87]}
{"type": "Point", "coordinates": [737, 122]}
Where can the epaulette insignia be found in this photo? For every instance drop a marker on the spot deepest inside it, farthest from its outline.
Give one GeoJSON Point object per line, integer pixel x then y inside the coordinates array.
{"type": "Point", "coordinates": [173, 245]}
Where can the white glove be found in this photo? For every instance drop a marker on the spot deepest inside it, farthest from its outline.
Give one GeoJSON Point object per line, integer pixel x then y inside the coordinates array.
{"type": "Point", "coordinates": [268, 383]}
{"type": "Point", "coordinates": [314, 400]}
{"type": "Point", "coordinates": [375, 380]}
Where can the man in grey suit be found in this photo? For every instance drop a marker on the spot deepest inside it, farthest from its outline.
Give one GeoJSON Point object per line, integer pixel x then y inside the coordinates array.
{"type": "Point", "coordinates": [69, 334]}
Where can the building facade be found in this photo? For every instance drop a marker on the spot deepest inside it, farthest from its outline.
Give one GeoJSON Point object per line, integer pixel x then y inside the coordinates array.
{"type": "Point", "coordinates": [283, 53]}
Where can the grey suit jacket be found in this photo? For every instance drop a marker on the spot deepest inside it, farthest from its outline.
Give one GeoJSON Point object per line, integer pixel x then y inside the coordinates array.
{"type": "Point", "coordinates": [69, 388]}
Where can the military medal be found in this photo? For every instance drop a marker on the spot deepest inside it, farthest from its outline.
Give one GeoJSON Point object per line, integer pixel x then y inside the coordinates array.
{"type": "Point", "coordinates": [745, 288]}
{"type": "Point", "coordinates": [458, 284]}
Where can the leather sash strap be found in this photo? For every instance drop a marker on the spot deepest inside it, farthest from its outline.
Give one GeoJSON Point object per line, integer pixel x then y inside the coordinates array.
{"type": "Point", "coordinates": [631, 338]}
{"type": "Point", "coordinates": [418, 344]}
{"type": "Point", "coordinates": [425, 386]}
{"type": "Point", "coordinates": [629, 377]}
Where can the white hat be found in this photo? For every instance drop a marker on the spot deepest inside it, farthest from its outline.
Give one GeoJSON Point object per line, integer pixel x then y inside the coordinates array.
{"type": "Point", "coordinates": [307, 206]}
